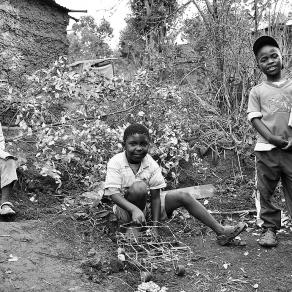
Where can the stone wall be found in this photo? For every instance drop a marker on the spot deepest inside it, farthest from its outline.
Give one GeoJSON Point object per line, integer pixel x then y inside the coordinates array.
{"type": "Point", "coordinates": [32, 36]}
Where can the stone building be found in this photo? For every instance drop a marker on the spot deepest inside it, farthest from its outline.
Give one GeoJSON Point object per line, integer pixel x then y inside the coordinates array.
{"type": "Point", "coordinates": [32, 36]}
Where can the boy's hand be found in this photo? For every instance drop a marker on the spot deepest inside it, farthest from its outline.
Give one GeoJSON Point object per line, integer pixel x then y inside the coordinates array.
{"type": "Point", "coordinates": [289, 145]}
{"type": "Point", "coordinates": [279, 141]}
{"type": "Point", "coordinates": [138, 216]}
{"type": "Point", "coordinates": [154, 232]}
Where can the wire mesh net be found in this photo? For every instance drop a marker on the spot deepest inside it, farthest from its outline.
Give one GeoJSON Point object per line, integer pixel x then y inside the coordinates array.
{"type": "Point", "coordinates": [147, 250]}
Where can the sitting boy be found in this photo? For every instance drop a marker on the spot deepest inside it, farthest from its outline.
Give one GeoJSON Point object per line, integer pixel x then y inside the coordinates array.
{"type": "Point", "coordinates": [8, 176]}
{"type": "Point", "coordinates": [132, 174]}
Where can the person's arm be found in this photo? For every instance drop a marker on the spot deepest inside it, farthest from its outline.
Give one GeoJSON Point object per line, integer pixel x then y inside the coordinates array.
{"type": "Point", "coordinates": [262, 129]}
{"type": "Point", "coordinates": [137, 214]}
{"type": "Point", "coordinates": [155, 205]}
{"type": "Point", "coordinates": [2, 140]}
{"type": "Point", "coordinates": [155, 209]}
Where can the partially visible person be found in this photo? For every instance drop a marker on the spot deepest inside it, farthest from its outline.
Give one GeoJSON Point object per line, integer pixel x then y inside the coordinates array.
{"type": "Point", "coordinates": [8, 176]}
{"type": "Point", "coordinates": [133, 175]}
{"type": "Point", "coordinates": [269, 110]}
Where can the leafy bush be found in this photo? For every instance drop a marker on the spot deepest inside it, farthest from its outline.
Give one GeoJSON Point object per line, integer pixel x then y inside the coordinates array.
{"type": "Point", "coordinates": [77, 121]}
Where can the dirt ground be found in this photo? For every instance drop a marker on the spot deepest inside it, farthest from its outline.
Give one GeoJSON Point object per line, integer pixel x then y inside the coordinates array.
{"type": "Point", "coordinates": [62, 252]}
{"type": "Point", "coordinates": [31, 262]}
{"type": "Point", "coordinates": [57, 242]}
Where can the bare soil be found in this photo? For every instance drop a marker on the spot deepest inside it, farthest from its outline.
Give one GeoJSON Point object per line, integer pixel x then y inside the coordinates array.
{"type": "Point", "coordinates": [56, 243]}
{"type": "Point", "coordinates": [31, 259]}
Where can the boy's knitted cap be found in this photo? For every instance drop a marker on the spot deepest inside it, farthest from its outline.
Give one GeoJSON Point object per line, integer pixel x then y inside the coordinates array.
{"type": "Point", "coordinates": [135, 129]}
{"type": "Point", "coordinates": [263, 41]}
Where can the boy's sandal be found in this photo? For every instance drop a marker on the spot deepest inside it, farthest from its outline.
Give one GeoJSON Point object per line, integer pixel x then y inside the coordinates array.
{"type": "Point", "coordinates": [229, 235]}
{"type": "Point", "coordinates": [6, 209]}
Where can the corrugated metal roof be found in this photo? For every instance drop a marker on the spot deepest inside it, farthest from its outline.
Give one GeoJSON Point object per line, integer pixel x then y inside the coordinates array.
{"type": "Point", "coordinates": [92, 61]}
{"type": "Point", "coordinates": [54, 4]}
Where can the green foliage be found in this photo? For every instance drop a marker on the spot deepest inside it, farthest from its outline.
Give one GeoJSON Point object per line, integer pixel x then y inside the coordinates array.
{"type": "Point", "coordinates": [77, 121]}
{"type": "Point", "coordinates": [221, 37]}
{"type": "Point", "coordinates": [146, 29]}
{"type": "Point", "coordinates": [149, 15]}
{"type": "Point", "coordinates": [132, 44]}
{"type": "Point", "coordinates": [89, 40]}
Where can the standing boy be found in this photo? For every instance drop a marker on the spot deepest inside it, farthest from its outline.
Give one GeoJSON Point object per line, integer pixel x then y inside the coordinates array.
{"type": "Point", "coordinates": [269, 110]}
{"type": "Point", "coordinates": [8, 176]}
{"type": "Point", "coordinates": [133, 174]}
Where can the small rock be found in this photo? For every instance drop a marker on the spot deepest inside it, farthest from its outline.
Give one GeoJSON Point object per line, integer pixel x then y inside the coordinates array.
{"type": "Point", "coordinates": [78, 271]}
{"type": "Point", "coordinates": [75, 289]}
{"type": "Point", "coordinates": [95, 263]}
{"type": "Point", "coordinates": [91, 252]}
{"type": "Point", "coordinates": [121, 257]}
{"type": "Point", "coordinates": [12, 258]}
{"type": "Point", "coordinates": [121, 250]}
{"type": "Point", "coordinates": [69, 201]}
{"type": "Point", "coordinates": [81, 216]}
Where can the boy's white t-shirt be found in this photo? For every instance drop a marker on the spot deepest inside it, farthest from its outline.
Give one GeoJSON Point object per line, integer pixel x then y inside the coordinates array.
{"type": "Point", "coordinates": [120, 177]}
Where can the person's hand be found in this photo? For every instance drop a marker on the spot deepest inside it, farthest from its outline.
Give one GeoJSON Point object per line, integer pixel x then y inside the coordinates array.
{"type": "Point", "coordinates": [154, 232]}
{"type": "Point", "coordinates": [279, 141]}
{"type": "Point", "coordinates": [138, 216]}
{"type": "Point", "coordinates": [289, 145]}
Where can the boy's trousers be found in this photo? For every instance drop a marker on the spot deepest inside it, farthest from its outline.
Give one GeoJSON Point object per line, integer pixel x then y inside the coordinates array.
{"type": "Point", "coordinates": [271, 167]}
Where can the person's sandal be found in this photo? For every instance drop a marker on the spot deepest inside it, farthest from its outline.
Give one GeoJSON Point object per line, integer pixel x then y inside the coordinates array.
{"type": "Point", "coordinates": [6, 209]}
{"type": "Point", "coordinates": [230, 233]}
{"type": "Point", "coordinates": [268, 238]}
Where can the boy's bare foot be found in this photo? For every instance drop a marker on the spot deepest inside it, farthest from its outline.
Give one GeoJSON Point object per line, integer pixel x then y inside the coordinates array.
{"type": "Point", "coordinates": [230, 232]}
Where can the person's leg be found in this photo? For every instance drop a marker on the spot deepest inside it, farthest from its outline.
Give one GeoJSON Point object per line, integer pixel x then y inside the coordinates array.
{"type": "Point", "coordinates": [286, 178]}
{"type": "Point", "coordinates": [6, 193]}
{"type": "Point", "coordinates": [136, 194]}
{"type": "Point", "coordinates": [178, 199]}
{"type": "Point", "coordinates": [225, 234]}
{"type": "Point", "coordinates": [8, 176]}
{"type": "Point", "coordinates": [268, 176]}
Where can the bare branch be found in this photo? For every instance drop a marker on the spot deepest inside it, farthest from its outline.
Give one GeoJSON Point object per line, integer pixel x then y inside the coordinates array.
{"type": "Point", "coordinates": [209, 6]}
{"type": "Point", "coordinates": [201, 13]}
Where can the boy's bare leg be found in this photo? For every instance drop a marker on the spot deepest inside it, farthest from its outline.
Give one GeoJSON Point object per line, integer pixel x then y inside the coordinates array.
{"type": "Point", "coordinates": [6, 205]}
{"type": "Point", "coordinates": [194, 207]}
{"type": "Point", "coordinates": [137, 194]}
{"type": "Point", "coordinates": [6, 192]}
{"type": "Point", "coordinates": [8, 176]}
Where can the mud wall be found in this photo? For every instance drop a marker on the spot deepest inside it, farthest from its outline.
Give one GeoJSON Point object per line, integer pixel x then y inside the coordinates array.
{"type": "Point", "coordinates": [32, 36]}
